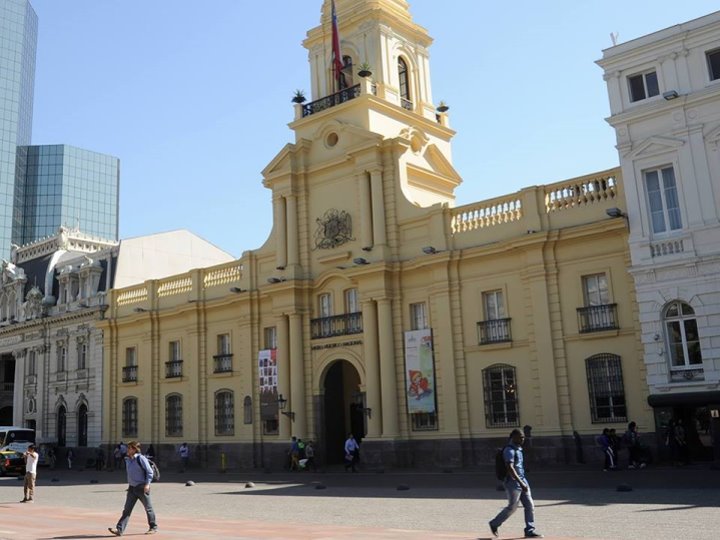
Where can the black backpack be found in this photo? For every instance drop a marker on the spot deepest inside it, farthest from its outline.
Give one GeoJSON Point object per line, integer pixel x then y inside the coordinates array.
{"type": "Point", "coordinates": [500, 467]}
{"type": "Point", "coordinates": [155, 470]}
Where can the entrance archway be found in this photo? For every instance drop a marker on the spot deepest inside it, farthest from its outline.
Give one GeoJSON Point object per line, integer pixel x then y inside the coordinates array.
{"type": "Point", "coordinates": [342, 413]}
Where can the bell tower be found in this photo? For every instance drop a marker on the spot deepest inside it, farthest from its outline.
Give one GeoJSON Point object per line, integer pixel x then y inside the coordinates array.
{"type": "Point", "coordinates": [381, 35]}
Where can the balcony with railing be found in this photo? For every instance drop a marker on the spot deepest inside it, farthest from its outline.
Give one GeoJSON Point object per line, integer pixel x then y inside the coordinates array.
{"type": "Point", "coordinates": [327, 102]}
{"type": "Point", "coordinates": [494, 331]}
{"type": "Point", "coordinates": [173, 369]}
{"type": "Point", "coordinates": [597, 318]}
{"type": "Point", "coordinates": [223, 363]}
{"type": "Point", "coordinates": [337, 325]}
{"type": "Point", "coordinates": [407, 104]}
{"type": "Point", "coordinates": [129, 374]}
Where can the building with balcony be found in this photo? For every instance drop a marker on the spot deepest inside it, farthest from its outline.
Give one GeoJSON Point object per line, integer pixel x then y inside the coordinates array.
{"type": "Point", "coordinates": [664, 93]}
{"type": "Point", "coordinates": [51, 352]}
{"type": "Point", "coordinates": [49, 186]}
{"type": "Point", "coordinates": [379, 307]}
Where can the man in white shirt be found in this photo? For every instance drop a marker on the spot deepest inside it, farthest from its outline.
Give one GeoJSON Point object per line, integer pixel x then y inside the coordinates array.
{"type": "Point", "coordinates": [352, 453]}
{"type": "Point", "coordinates": [31, 461]}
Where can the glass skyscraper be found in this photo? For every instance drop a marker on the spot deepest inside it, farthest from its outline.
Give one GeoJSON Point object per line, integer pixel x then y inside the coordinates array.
{"type": "Point", "coordinates": [18, 43]}
{"type": "Point", "coordinates": [43, 187]}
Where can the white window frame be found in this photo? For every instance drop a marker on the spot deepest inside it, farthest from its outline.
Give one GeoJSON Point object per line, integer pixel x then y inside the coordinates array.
{"type": "Point", "coordinates": [708, 54]}
{"type": "Point", "coordinates": [174, 351]}
{"type": "Point", "coordinates": [663, 199]}
{"type": "Point", "coordinates": [223, 344]}
{"type": "Point", "coordinates": [130, 356]}
{"type": "Point", "coordinates": [352, 305]}
{"type": "Point", "coordinates": [418, 316]}
{"type": "Point", "coordinates": [680, 319]}
{"type": "Point", "coordinates": [493, 303]}
{"type": "Point", "coordinates": [325, 305]}
{"type": "Point", "coordinates": [603, 292]}
{"type": "Point", "coordinates": [270, 337]}
{"type": "Point", "coordinates": [643, 75]}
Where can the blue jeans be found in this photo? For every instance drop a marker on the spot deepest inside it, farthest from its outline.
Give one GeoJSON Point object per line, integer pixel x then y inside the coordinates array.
{"type": "Point", "coordinates": [135, 494]}
{"type": "Point", "coordinates": [515, 495]}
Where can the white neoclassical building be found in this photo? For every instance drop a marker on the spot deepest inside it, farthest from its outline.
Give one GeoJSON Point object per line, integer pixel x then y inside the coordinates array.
{"type": "Point", "coordinates": [52, 293]}
{"type": "Point", "coordinates": [664, 93]}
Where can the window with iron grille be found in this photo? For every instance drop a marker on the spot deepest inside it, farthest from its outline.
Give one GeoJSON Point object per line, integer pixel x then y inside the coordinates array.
{"type": "Point", "coordinates": [129, 417]}
{"type": "Point", "coordinates": [606, 389]}
{"type": "Point", "coordinates": [501, 396]}
{"type": "Point", "coordinates": [424, 421]}
{"type": "Point", "coordinates": [418, 316]}
{"type": "Point", "coordinates": [247, 410]}
{"type": "Point", "coordinates": [270, 336]}
{"type": "Point", "coordinates": [173, 415]}
{"type": "Point", "coordinates": [224, 413]}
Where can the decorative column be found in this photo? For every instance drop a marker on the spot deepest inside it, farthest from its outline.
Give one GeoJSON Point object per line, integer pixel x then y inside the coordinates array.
{"type": "Point", "coordinates": [378, 208]}
{"type": "Point", "coordinates": [297, 376]}
{"type": "Point", "coordinates": [388, 380]}
{"type": "Point", "coordinates": [372, 368]}
{"type": "Point", "coordinates": [280, 232]}
{"type": "Point", "coordinates": [366, 230]}
{"type": "Point", "coordinates": [283, 360]}
{"type": "Point", "coordinates": [291, 226]}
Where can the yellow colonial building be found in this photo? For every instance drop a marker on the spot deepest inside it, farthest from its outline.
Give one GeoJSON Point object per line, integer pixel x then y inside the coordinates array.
{"type": "Point", "coordinates": [377, 306]}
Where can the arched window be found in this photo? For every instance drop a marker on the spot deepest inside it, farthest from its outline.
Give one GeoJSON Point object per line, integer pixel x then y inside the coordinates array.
{"type": "Point", "coordinates": [82, 425]}
{"type": "Point", "coordinates": [61, 425]}
{"type": "Point", "coordinates": [606, 389]}
{"type": "Point", "coordinates": [404, 84]}
{"type": "Point", "coordinates": [501, 396]}
{"type": "Point", "coordinates": [346, 76]}
{"type": "Point", "coordinates": [173, 415]}
{"type": "Point", "coordinates": [682, 337]}
{"type": "Point", "coordinates": [129, 417]}
{"type": "Point", "coordinates": [224, 413]}
{"type": "Point", "coordinates": [247, 410]}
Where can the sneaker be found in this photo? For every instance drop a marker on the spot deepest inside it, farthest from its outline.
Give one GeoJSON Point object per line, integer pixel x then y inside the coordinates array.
{"type": "Point", "coordinates": [533, 534]}
{"type": "Point", "coordinates": [493, 530]}
{"type": "Point", "coordinates": [643, 465]}
{"type": "Point", "coordinates": [30, 501]}
{"type": "Point", "coordinates": [115, 531]}
{"type": "Point", "coordinates": [24, 500]}
{"type": "Point", "coordinates": [631, 466]}
{"type": "Point", "coordinates": [152, 530]}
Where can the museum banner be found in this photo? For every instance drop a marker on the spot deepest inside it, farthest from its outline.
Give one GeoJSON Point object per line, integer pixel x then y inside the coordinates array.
{"type": "Point", "coordinates": [419, 371]}
{"type": "Point", "coordinates": [268, 374]}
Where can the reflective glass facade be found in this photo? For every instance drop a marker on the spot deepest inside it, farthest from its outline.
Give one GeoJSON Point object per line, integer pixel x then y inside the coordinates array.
{"type": "Point", "coordinates": [43, 187]}
{"type": "Point", "coordinates": [18, 42]}
{"type": "Point", "coordinates": [71, 187]}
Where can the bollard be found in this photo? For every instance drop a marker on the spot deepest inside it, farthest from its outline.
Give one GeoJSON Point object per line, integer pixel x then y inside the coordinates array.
{"type": "Point", "coordinates": [222, 462]}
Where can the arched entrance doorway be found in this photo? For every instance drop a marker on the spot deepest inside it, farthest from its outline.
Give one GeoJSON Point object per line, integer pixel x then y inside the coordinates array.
{"type": "Point", "coordinates": [342, 412]}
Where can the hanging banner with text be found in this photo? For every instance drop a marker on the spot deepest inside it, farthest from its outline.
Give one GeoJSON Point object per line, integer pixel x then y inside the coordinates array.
{"type": "Point", "coordinates": [420, 371]}
{"type": "Point", "coordinates": [267, 370]}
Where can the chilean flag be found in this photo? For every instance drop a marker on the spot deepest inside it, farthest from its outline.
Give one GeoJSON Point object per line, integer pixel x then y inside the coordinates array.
{"type": "Point", "coordinates": [337, 61]}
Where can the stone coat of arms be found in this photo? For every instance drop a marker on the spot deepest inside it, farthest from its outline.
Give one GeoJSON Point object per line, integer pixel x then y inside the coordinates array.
{"type": "Point", "coordinates": [334, 229]}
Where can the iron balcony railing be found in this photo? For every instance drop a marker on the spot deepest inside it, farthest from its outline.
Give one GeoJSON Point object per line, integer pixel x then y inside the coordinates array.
{"type": "Point", "coordinates": [597, 318]}
{"type": "Point", "coordinates": [223, 363]}
{"type": "Point", "coordinates": [338, 325]}
{"type": "Point", "coordinates": [494, 331]}
{"type": "Point", "coordinates": [332, 100]}
{"type": "Point", "coordinates": [129, 374]}
{"type": "Point", "coordinates": [406, 104]}
{"type": "Point", "coordinates": [173, 369]}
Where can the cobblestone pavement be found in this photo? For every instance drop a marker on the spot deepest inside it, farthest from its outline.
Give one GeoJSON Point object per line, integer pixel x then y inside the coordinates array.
{"type": "Point", "coordinates": [663, 504]}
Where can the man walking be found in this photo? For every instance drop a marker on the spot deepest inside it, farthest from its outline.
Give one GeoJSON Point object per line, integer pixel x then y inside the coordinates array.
{"type": "Point", "coordinates": [139, 475]}
{"type": "Point", "coordinates": [352, 453]}
{"type": "Point", "coordinates": [31, 461]}
{"type": "Point", "coordinates": [516, 487]}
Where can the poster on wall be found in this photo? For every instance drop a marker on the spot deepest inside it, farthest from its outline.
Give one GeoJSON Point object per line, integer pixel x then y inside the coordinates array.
{"type": "Point", "coordinates": [419, 371]}
{"type": "Point", "coordinates": [268, 379]}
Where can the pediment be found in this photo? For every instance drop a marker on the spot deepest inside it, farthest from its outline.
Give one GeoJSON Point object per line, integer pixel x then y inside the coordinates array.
{"type": "Point", "coordinates": [440, 164]}
{"type": "Point", "coordinates": [653, 146]}
{"type": "Point", "coordinates": [280, 163]}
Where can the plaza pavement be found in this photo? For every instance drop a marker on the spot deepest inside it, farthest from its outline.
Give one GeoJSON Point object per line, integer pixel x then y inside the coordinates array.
{"type": "Point", "coordinates": [664, 503]}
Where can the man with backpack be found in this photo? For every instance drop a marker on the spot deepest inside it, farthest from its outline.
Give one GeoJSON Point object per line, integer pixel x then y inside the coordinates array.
{"type": "Point", "coordinates": [516, 487]}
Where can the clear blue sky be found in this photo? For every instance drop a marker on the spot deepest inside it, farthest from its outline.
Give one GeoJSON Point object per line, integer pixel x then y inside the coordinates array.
{"type": "Point", "coordinates": [194, 97]}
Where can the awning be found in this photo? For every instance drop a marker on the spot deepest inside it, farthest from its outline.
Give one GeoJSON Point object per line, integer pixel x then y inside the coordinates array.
{"type": "Point", "coordinates": [686, 398]}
